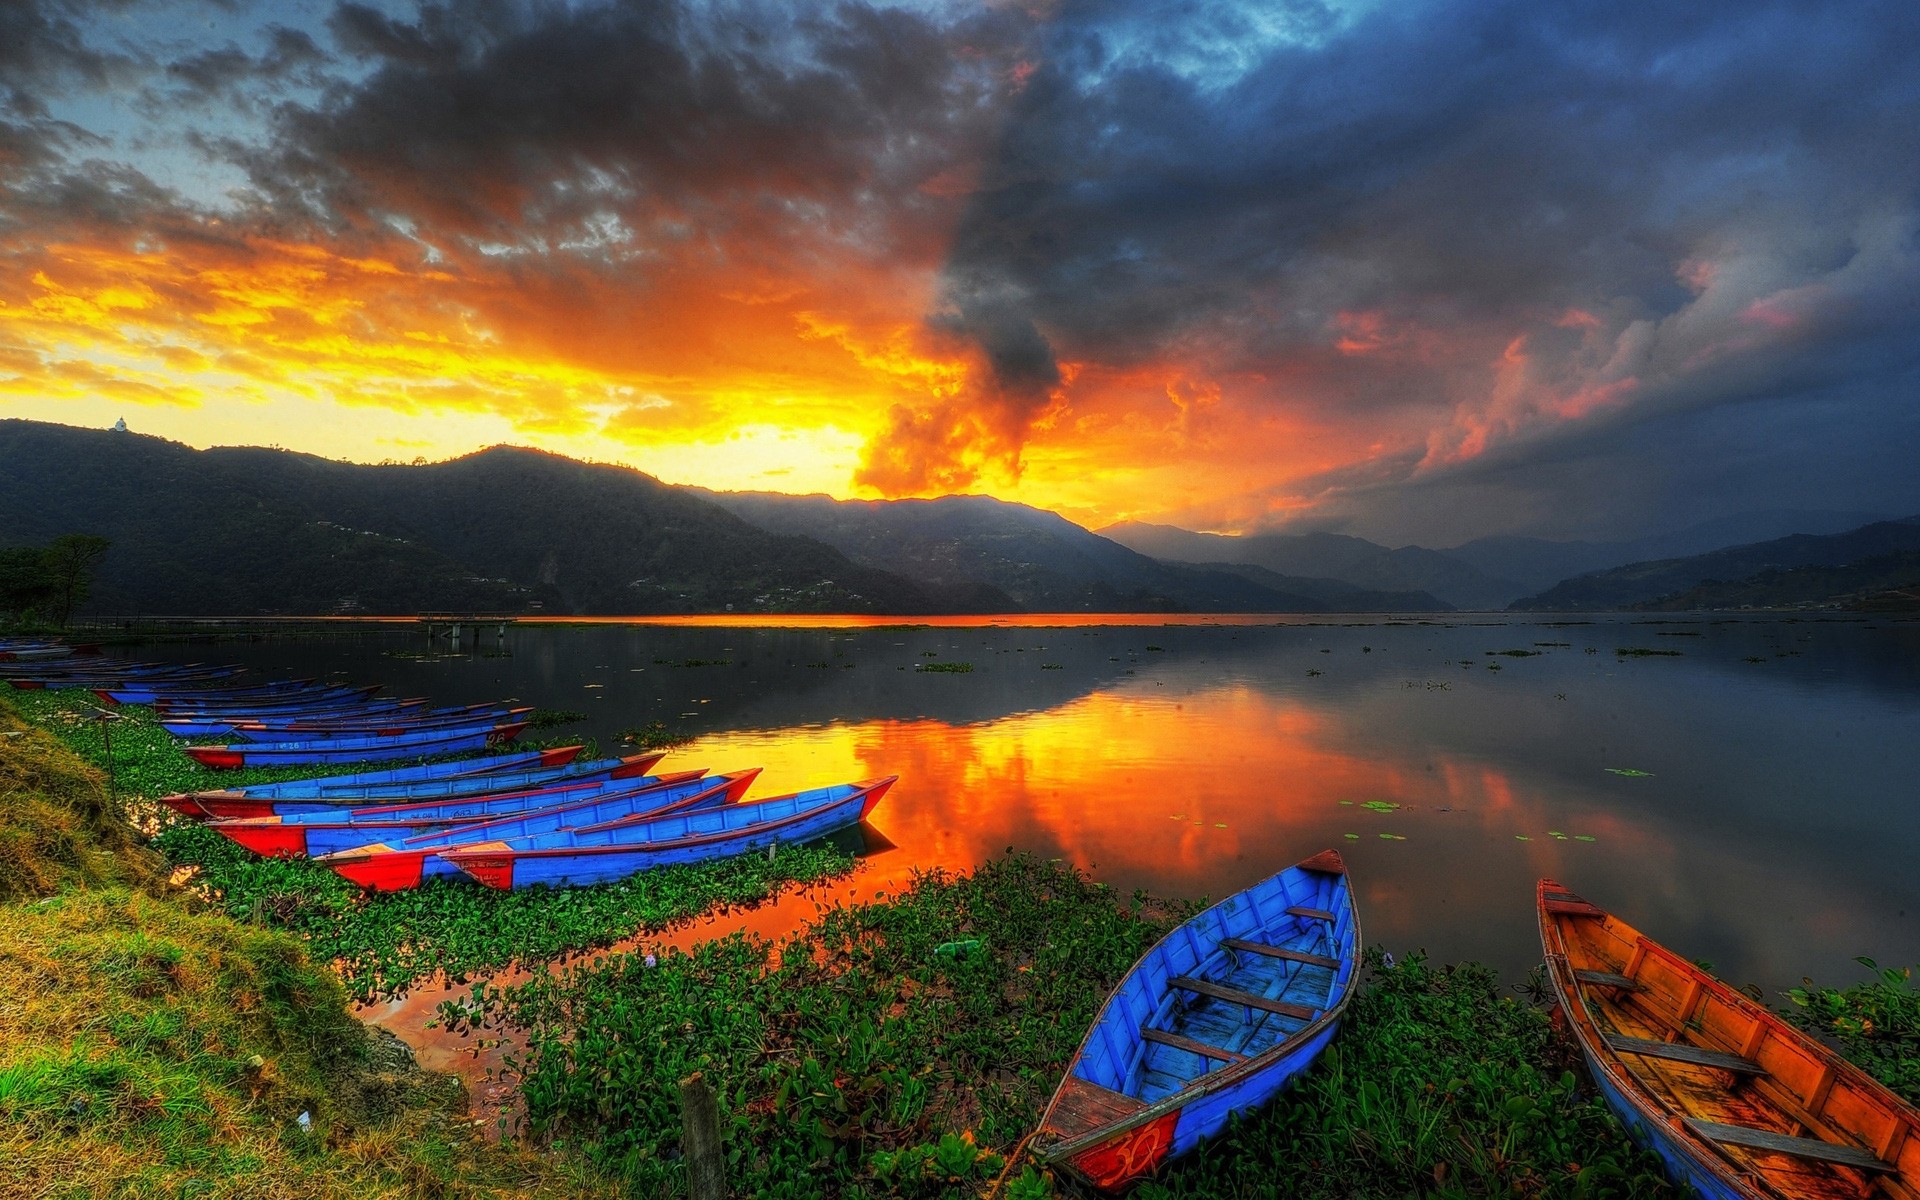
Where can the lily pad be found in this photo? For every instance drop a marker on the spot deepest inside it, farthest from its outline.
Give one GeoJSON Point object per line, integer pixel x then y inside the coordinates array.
{"type": "Point", "coordinates": [1629, 772]}
{"type": "Point", "coordinates": [1348, 803]}
{"type": "Point", "coordinates": [1352, 837]}
{"type": "Point", "coordinates": [1381, 806]}
{"type": "Point", "coordinates": [1583, 837]}
{"type": "Point", "coordinates": [1521, 837]}
{"type": "Point", "coordinates": [1391, 837]}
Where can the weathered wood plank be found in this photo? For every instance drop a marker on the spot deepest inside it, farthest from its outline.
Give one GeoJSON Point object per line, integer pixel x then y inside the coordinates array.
{"type": "Point", "coordinates": [1191, 1046]}
{"type": "Point", "coordinates": [1799, 1147]}
{"type": "Point", "coordinates": [1084, 1106]}
{"type": "Point", "coordinates": [1311, 914]}
{"type": "Point", "coordinates": [1696, 1055]}
{"type": "Point", "coordinates": [1220, 991]}
{"type": "Point", "coordinates": [1299, 956]}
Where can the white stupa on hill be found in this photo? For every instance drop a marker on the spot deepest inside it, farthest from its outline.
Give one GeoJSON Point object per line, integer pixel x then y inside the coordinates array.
{"type": "Point", "coordinates": [120, 426]}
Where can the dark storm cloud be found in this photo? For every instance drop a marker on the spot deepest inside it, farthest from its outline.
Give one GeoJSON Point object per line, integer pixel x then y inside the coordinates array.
{"type": "Point", "coordinates": [1678, 206]}
{"type": "Point", "coordinates": [508, 122]}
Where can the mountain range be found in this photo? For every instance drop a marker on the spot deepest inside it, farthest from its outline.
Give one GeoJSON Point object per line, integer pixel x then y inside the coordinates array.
{"type": "Point", "coordinates": [1039, 561]}
{"type": "Point", "coordinates": [244, 531]}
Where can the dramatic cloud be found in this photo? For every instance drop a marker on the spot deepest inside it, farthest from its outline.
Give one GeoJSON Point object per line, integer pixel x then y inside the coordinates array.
{"type": "Point", "coordinates": [1420, 270]}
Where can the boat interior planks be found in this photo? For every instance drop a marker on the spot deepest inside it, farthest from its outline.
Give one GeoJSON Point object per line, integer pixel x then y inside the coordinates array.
{"type": "Point", "coordinates": [1736, 1102]}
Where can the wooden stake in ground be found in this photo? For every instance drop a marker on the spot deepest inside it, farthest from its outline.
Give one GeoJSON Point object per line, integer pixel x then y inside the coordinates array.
{"type": "Point", "coordinates": [700, 1140]}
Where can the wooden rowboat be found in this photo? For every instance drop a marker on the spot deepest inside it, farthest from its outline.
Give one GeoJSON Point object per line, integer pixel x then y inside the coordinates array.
{"type": "Point", "coordinates": [1736, 1102]}
{"type": "Point", "coordinates": [350, 750]}
{"type": "Point", "coordinates": [1216, 1018]}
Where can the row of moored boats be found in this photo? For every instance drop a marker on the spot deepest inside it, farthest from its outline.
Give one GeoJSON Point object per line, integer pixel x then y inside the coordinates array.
{"type": "Point", "coordinates": [509, 818]}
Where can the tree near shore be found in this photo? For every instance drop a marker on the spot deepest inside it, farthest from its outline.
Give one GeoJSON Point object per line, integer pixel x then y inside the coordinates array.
{"type": "Point", "coordinates": [56, 577]}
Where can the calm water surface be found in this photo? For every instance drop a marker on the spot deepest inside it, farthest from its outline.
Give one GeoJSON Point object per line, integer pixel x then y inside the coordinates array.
{"type": "Point", "coordinates": [1775, 833]}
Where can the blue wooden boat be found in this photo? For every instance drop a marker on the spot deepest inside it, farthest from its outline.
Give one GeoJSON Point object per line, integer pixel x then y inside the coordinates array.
{"type": "Point", "coordinates": [1215, 1019]}
{"type": "Point", "coordinates": [213, 724]}
{"type": "Point", "coordinates": [1738, 1104]}
{"type": "Point", "coordinates": [378, 727]}
{"type": "Point", "coordinates": [396, 866]}
{"type": "Point", "coordinates": [321, 697]}
{"type": "Point", "coordinates": [472, 776]}
{"type": "Point", "coordinates": [315, 834]}
{"type": "Point", "coordinates": [194, 677]}
{"type": "Point", "coordinates": [347, 750]}
{"type": "Point", "coordinates": [615, 851]}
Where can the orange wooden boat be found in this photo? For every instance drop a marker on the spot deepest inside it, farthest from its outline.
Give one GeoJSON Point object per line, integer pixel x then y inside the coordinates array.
{"type": "Point", "coordinates": [1739, 1104]}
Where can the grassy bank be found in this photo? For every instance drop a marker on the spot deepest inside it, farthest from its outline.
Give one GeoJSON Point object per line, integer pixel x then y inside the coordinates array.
{"type": "Point", "coordinates": [148, 1048]}
{"type": "Point", "coordinates": [380, 944]}
{"type": "Point", "coordinates": [907, 1047]}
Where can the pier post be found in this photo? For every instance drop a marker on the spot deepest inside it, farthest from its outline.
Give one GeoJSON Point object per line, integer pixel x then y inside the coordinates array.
{"type": "Point", "coordinates": [700, 1140]}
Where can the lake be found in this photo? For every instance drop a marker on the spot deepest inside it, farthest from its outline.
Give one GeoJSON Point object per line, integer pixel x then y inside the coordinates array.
{"type": "Point", "coordinates": [1742, 787]}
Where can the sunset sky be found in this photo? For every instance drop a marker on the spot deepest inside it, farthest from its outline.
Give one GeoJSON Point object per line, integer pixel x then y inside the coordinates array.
{"type": "Point", "coordinates": [1422, 270]}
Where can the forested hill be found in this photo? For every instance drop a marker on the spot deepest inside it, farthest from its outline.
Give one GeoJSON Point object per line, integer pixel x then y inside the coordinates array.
{"type": "Point", "coordinates": [1802, 569]}
{"type": "Point", "coordinates": [248, 531]}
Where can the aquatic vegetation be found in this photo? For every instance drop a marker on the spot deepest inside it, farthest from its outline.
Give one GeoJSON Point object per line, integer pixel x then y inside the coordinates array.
{"type": "Point", "coordinates": [1875, 1025]}
{"type": "Point", "coordinates": [1644, 652]}
{"type": "Point", "coordinates": [860, 1061]}
{"type": "Point", "coordinates": [1380, 806]}
{"type": "Point", "coordinates": [382, 942]}
{"type": "Point", "coordinates": [1519, 653]}
{"type": "Point", "coordinates": [1438, 1084]}
{"type": "Point", "coordinates": [1629, 772]}
{"type": "Point", "coordinates": [654, 735]}
{"type": "Point", "coordinates": [949, 668]}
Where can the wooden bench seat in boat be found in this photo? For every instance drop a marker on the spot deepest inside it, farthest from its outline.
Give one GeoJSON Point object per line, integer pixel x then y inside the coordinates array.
{"type": "Point", "coordinates": [1220, 991]}
{"type": "Point", "coordinates": [1696, 1055]}
{"type": "Point", "coordinates": [1299, 956]}
{"type": "Point", "coordinates": [1608, 979]}
{"type": "Point", "coordinates": [1174, 1040]}
{"type": "Point", "coordinates": [1780, 1143]}
{"type": "Point", "coordinates": [1311, 914]}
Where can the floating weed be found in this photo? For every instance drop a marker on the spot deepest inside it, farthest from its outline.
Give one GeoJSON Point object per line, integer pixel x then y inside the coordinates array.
{"type": "Point", "coordinates": [1583, 837]}
{"type": "Point", "coordinates": [1381, 806]}
{"type": "Point", "coordinates": [1521, 837]}
{"type": "Point", "coordinates": [1392, 837]}
{"type": "Point", "coordinates": [1439, 1084]}
{"type": "Point", "coordinates": [1645, 652]}
{"type": "Point", "coordinates": [1629, 772]}
{"type": "Point", "coordinates": [1875, 1024]}
{"type": "Point", "coordinates": [1517, 653]}
{"type": "Point", "coordinates": [949, 668]}
{"type": "Point", "coordinates": [1352, 837]}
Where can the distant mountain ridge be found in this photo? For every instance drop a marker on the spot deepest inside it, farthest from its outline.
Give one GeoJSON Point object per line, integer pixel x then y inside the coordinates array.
{"type": "Point", "coordinates": [1539, 563]}
{"type": "Point", "coordinates": [1743, 574]}
{"type": "Point", "coordinates": [1039, 560]}
{"type": "Point", "coordinates": [1353, 560]}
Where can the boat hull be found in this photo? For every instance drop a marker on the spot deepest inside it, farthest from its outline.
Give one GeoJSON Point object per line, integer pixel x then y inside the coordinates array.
{"type": "Point", "coordinates": [310, 753]}
{"type": "Point", "coordinates": [1157, 1074]}
{"type": "Point", "coordinates": [627, 848]}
